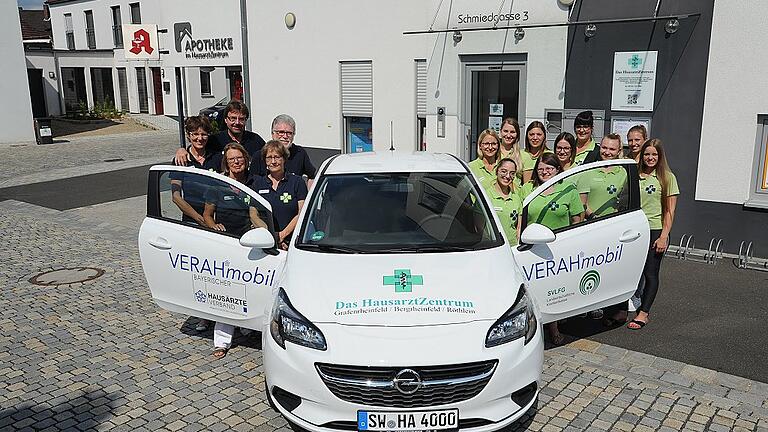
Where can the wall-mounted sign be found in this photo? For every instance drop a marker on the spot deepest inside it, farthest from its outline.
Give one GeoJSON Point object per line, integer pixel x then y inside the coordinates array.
{"type": "Point", "coordinates": [496, 109]}
{"type": "Point", "coordinates": [141, 42]}
{"type": "Point", "coordinates": [494, 122]}
{"type": "Point", "coordinates": [620, 125]}
{"type": "Point", "coordinates": [473, 13]}
{"type": "Point", "coordinates": [634, 81]}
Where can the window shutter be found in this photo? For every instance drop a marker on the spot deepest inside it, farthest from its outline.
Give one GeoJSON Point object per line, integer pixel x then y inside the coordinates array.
{"type": "Point", "coordinates": [357, 89]}
{"type": "Point", "coordinates": [421, 88]}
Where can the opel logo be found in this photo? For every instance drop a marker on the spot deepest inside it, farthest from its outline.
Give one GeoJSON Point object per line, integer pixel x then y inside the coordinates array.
{"type": "Point", "coordinates": [407, 381]}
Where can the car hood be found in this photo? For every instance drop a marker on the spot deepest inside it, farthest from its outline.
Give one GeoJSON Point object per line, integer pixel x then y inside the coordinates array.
{"type": "Point", "coordinates": [402, 289]}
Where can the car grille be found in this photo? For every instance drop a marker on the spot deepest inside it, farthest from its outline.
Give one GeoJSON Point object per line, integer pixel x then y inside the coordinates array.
{"type": "Point", "coordinates": [375, 386]}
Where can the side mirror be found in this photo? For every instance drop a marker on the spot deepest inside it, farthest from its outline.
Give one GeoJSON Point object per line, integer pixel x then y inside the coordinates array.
{"type": "Point", "coordinates": [259, 238]}
{"type": "Point", "coordinates": [537, 234]}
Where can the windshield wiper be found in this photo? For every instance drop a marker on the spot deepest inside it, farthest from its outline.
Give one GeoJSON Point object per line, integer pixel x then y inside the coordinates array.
{"type": "Point", "coordinates": [427, 248]}
{"type": "Point", "coordinates": [328, 248]}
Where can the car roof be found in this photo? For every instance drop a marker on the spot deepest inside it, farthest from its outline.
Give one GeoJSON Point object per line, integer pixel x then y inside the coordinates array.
{"type": "Point", "coordinates": [393, 161]}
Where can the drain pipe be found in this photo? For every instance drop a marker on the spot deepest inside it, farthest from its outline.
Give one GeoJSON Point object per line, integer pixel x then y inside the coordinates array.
{"type": "Point", "coordinates": [244, 47]}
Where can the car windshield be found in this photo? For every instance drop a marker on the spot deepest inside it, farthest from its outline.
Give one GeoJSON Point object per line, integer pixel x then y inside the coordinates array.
{"type": "Point", "coordinates": [397, 212]}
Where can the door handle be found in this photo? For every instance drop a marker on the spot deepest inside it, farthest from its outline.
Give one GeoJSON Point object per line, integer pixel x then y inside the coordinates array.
{"type": "Point", "coordinates": [160, 243]}
{"type": "Point", "coordinates": [629, 236]}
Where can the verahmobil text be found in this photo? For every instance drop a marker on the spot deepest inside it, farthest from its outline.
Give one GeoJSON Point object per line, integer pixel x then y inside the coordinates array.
{"type": "Point", "coordinates": [222, 269]}
{"type": "Point", "coordinates": [554, 267]}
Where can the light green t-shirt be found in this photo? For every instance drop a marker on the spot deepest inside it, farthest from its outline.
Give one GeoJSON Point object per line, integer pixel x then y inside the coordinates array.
{"type": "Point", "coordinates": [528, 160]}
{"type": "Point", "coordinates": [604, 189]}
{"type": "Point", "coordinates": [484, 177]}
{"type": "Point", "coordinates": [508, 209]}
{"type": "Point", "coordinates": [650, 197]}
{"type": "Point", "coordinates": [581, 155]}
{"type": "Point", "coordinates": [556, 209]}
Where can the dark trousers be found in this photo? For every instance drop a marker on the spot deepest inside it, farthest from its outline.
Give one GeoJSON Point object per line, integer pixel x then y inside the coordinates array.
{"type": "Point", "coordinates": [649, 281]}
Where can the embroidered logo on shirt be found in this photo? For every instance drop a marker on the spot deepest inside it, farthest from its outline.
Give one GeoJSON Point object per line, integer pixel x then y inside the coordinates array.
{"type": "Point", "coordinates": [553, 206]}
{"type": "Point", "coordinates": [513, 216]}
{"type": "Point", "coordinates": [650, 189]}
{"type": "Point", "coordinates": [285, 197]}
{"type": "Point", "coordinates": [611, 189]}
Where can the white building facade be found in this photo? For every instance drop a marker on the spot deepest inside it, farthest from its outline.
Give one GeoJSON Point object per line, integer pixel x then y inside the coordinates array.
{"type": "Point", "coordinates": [16, 113]}
{"type": "Point", "coordinates": [89, 46]}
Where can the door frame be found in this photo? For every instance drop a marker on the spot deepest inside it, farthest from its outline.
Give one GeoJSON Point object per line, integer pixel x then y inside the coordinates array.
{"type": "Point", "coordinates": [487, 62]}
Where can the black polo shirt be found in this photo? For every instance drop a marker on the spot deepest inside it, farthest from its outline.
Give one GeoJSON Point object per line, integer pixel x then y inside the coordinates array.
{"type": "Point", "coordinates": [298, 163]}
{"type": "Point", "coordinates": [250, 140]}
{"type": "Point", "coordinates": [193, 187]}
{"type": "Point", "coordinates": [284, 200]}
{"type": "Point", "coordinates": [232, 207]}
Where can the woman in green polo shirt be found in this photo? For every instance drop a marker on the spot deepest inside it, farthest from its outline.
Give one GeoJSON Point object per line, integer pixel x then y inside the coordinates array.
{"type": "Point", "coordinates": [504, 198]}
{"type": "Point", "coordinates": [484, 167]}
{"type": "Point", "coordinates": [658, 198]}
{"type": "Point", "coordinates": [565, 150]}
{"type": "Point", "coordinates": [510, 145]}
{"type": "Point", "coordinates": [557, 207]}
{"type": "Point", "coordinates": [535, 146]}
{"type": "Point", "coordinates": [636, 136]}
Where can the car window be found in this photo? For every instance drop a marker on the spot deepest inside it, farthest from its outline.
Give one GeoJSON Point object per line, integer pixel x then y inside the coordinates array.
{"type": "Point", "coordinates": [187, 197]}
{"type": "Point", "coordinates": [583, 197]}
{"type": "Point", "coordinates": [398, 212]}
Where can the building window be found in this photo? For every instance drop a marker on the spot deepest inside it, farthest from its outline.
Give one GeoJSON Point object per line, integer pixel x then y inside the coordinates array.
{"type": "Point", "coordinates": [205, 81]}
{"type": "Point", "coordinates": [758, 194]}
{"type": "Point", "coordinates": [421, 104]}
{"type": "Point", "coordinates": [135, 13]}
{"type": "Point", "coordinates": [90, 33]}
{"type": "Point", "coordinates": [117, 27]}
{"type": "Point", "coordinates": [70, 31]}
{"type": "Point", "coordinates": [357, 105]}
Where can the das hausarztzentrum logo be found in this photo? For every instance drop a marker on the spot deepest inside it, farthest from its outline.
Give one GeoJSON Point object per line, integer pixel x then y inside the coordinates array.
{"type": "Point", "coordinates": [403, 280]}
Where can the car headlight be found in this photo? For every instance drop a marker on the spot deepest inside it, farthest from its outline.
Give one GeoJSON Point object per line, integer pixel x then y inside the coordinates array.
{"type": "Point", "coordinates": [519, 321]}
{"type": "Point", "coordinates": [289, 325]}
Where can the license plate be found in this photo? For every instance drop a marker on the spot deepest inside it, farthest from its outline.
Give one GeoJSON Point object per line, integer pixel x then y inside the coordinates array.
{"type": "Point", "coordinates": [411, 421]}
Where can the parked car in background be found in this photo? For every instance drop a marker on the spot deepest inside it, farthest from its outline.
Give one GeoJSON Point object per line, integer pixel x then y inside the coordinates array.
{"type": "Point", "coordinates": [215, 113]}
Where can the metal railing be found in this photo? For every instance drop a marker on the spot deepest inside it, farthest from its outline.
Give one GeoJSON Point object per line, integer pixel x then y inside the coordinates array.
{"type": "Point", "coordinates": [90, 35]}
{"type": "Point", "coordinates": [117, 35]}
{"type": "Point", "coordinates": [686, 250]}
{"type": "Point", "coordinates": [70, 40]}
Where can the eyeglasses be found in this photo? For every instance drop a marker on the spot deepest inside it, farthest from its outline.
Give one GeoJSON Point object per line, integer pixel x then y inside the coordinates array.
{"type": "Point", "coordinates": [489, 144]}
{"type": "Point", "coordinates": [283, 132]}
{"type": "Point", "coordinates": [582, 127]}
{"type": "Point", "coordinates": [563, 149]}
{"type": "Point", "coordinates": [199, 135]}
{"type": "Point", "coordinates": [273, 157]}
{"type": "Point", "coordinates": [505, 173]}
{"type": "Point", "coordinates": [548, 169]}
{"type": "Point", "coordinates": [236, 159]}
{"type": "Point", "coordinates": [237, 119]}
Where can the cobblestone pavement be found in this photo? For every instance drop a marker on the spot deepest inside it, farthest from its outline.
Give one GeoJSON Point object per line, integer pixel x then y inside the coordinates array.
{"type": "Point", "coordinates": [101, 356]}
{"type": "Point", "coordinates": [31, 163]}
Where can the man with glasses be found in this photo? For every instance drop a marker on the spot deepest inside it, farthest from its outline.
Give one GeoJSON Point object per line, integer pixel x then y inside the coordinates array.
{"type": "Point", "coordinates": [235, 115]}
{"type": "Point", "coordinates": [298, 162]}
{"type": "Point", "coordinates": [587, 149]}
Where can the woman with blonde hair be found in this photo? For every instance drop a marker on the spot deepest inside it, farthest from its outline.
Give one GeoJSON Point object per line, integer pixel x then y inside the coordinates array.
{"type": "Point", "coordinates": [636, 136]}
{"type": "Point", "coordinates": [510, 145]}
{"type": "Point", "coordinates": [484, 167]}
{"type": "Point", "coordinates": [658, 199]}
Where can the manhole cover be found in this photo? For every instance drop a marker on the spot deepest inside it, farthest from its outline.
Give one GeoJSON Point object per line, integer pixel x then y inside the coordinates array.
{"type": "Point", "coordinates": [66, 276]}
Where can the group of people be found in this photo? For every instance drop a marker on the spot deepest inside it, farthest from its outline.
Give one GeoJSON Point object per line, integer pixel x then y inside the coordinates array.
{"type": "Point", "coordinates": [275, 169]}
{"type": "Point", "coordinates": [509, 171]}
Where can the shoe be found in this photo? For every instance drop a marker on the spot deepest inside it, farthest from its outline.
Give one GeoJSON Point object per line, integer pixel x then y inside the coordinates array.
{"type": "Point", "coordinates": [638, 323]}
{"type": "Point", "coordinates": [202, 325]}
{"type": "Point", "coordinates": [596, 314]}
{"type": "Point", "coordinates": [220, 352]}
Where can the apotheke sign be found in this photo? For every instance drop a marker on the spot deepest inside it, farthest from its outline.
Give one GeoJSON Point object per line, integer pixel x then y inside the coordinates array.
{"type": "Point", "coordinates": [205, 48]}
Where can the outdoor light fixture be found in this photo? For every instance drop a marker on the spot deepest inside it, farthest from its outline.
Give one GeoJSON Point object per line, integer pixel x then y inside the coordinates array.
{"type": "Point", "coordinates": [566, 2]}
{"type": "Point", "coordinates": [519, 33]}
{"type": "Point", "coordinates": [672, 25]}
{"type": "Point", "coordinates": [590, 30]}
{"type": "Point", "coordinates": [52, 75]}
{"type": "Point", "coordinates": [290, 20]}
{"type": "Point", "coordinates": [457, 37]}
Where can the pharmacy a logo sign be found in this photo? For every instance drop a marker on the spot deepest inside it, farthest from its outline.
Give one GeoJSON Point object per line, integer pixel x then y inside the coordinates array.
{"type": "Point", "coordinates": [635, 61]}
{"type": "Point", "coordinates": [589, 282]}
{"type": "Point", "coordinates": [403, 280]}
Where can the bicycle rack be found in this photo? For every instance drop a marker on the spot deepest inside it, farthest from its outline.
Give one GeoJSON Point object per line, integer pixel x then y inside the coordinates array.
{"type": "Point", "coordinates": [687, 251]}
{"type": "Point", "coordinates": [747, 260]}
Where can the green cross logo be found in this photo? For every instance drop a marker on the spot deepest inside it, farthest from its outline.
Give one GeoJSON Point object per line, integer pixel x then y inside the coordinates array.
{"type": "Point", "coordinates": [635, 61]}
{"type": "Point", "coordinates": [285, 197]}
{"type": "Point", "coordinates": [403, 281]}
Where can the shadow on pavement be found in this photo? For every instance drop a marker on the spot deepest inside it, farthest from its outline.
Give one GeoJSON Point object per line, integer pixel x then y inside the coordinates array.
{"type": "Point", "coordinates": [90, 409]}
{"type": "Point", "coordinates": [252, 340]}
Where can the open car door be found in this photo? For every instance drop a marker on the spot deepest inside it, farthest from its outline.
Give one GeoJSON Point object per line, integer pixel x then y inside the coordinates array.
{"type": "Point", "coordinates": [577, 265]}
{"type": "Point", "coordinates": [226, 276]}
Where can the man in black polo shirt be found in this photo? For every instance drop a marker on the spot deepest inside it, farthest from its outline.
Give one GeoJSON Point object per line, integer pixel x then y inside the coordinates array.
{"type": "Point", "coordinates": [283, 130]}
{"type": "Point", "coordinates": [235, 115]}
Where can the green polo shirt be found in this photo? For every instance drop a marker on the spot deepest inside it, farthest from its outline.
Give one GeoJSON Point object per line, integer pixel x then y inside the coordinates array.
{"type": "Point", "coordinates": [525, 190]}
{"type": "Point", "coordinates": [603, 189]}
{"type": "Point", "coordinates": [556, 209]}
{"type": "Point", "coordinates": [650, 197]}
{"type": "Point", "coordinates": [581, 155]}
{"type": "Point", "coordinates": [484, 177]}
{"type": "Point", "coordinates": [508, 209]}
{"type": "Point", "coordinates": [528, 160]}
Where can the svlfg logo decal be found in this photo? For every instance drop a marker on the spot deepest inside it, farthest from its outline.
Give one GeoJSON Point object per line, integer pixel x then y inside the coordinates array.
{"type": "Point", "coordinates": [589, 282]}
{"type": "Point", "coordinates": [141, 42]}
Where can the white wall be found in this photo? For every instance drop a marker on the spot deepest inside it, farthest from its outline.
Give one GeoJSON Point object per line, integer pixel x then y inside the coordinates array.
{"type": "Point", "coordinates": [729, 125]}
{"type": "Point", "coordinates": [44, 60]}
{"type": "Point", "coordinates": [297, 71]}
{"type": "Point", "coordinates": [16, 110]}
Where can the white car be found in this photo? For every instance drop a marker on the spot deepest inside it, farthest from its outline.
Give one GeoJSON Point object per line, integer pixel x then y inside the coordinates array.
{"type": "Point", "coordinates": [399, 305]}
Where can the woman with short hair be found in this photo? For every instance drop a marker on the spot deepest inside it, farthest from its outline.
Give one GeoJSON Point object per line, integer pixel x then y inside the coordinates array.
{"type": "Point", "coordinates": [484, 167]}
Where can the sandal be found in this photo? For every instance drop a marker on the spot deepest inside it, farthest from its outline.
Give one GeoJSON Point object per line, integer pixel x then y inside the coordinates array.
{"type": "Point", "coordinates": [639, 324]}
{"type": "Point", "coordinates": [220, 353]}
